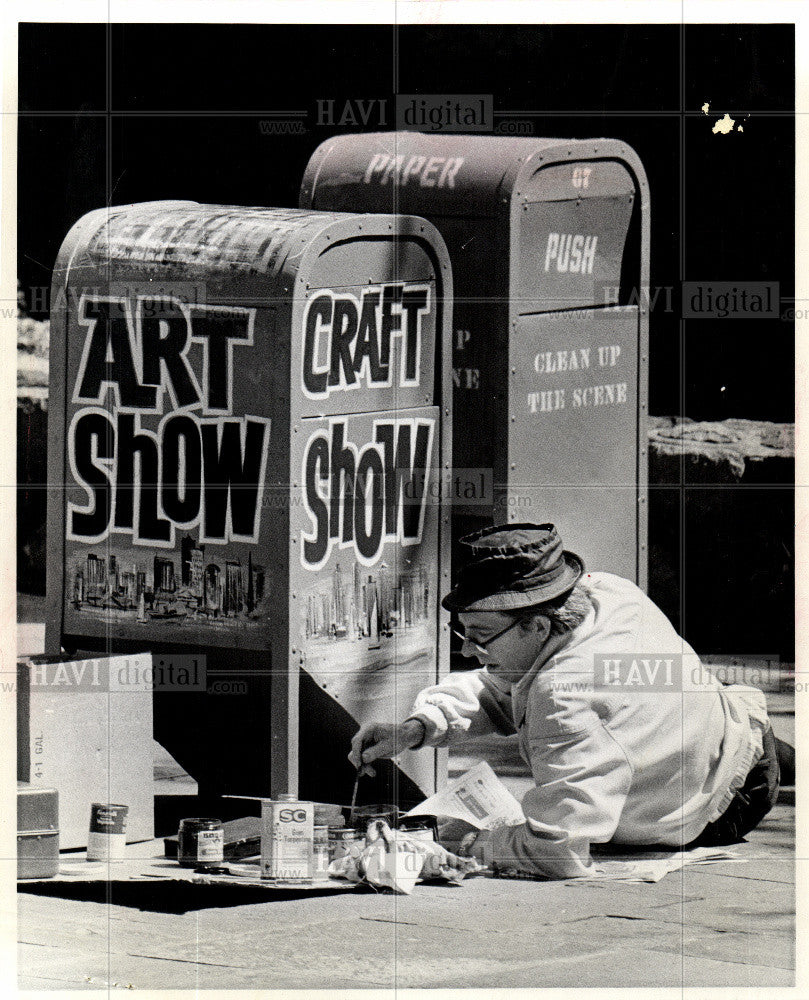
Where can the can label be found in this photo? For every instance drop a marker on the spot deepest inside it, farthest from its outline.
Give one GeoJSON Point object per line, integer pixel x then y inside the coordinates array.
{"type": "Point", "coordinates": [210, 845]}
{"type": "Point", "coordinates": [108, 818]}
{"type": "Point", "coordinates": [287, 834]}
{"type": "Point", "coordinates": [341, 841]}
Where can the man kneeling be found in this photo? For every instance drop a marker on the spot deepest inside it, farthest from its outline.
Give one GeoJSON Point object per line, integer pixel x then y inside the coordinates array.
{"type": "Point", "coordinates": [694, 764]}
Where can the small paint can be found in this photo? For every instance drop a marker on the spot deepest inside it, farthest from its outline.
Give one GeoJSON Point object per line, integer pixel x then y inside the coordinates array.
{"type": "Point", "coordinates": [320, 852]}
{"type": "Point", "coordinates": [201, 843]}
{"type": "Point", "coordinates": [424, 832]}
{"type": "Point", "coordinates": [420, 827]}
{"type": "Point", "coordinates": [341, 840]}
{"type": "Point", "coordinates": [106, 839]}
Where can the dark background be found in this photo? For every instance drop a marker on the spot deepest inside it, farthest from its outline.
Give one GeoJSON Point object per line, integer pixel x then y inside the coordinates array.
{"type": "Point", "coordinates": [111, 114]}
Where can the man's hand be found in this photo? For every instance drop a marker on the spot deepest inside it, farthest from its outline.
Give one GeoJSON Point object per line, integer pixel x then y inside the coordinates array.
{"type": "Point", "coordinates": [477, 845]}
{"type": "Point", "coordinates": [379, 740]}
{"type": "Point", "coordinates": [439, 859]}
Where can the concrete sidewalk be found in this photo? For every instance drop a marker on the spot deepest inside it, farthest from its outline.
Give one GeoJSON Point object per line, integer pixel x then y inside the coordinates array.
{"type": "Point", "coordinates": [725, 925]}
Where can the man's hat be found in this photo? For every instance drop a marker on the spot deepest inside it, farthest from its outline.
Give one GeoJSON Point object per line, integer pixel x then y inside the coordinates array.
{"type": "Point", "coordinates": [513, 566]}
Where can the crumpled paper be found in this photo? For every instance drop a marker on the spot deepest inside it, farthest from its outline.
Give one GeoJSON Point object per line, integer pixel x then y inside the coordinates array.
{"type": "Point", "coordinates": [391, 859]}
{"type": "Point", "coordinates": [651, 866]}
{"type": "Point", "coordinates": [654, 866]}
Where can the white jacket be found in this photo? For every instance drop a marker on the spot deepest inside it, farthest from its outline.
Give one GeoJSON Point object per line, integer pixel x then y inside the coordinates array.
{"type": "Point", "coordinates": [635, 763]}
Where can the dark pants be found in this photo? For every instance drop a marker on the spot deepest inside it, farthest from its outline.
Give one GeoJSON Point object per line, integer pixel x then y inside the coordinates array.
{"type": "Point", "coordinates": [750, 804]}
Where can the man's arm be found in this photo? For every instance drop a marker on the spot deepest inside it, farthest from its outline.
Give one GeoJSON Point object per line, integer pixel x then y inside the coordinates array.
{"type": "Point", "coordinates": [582, 782]}
{"type": "Point", "coordinates": [463, 704]}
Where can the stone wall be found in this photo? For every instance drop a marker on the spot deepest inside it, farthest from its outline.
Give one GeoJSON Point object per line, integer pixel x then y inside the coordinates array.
{"type": "Point", "coordinates": [726, 452]}
{"type": "Point", "coordinates": [722, 494]}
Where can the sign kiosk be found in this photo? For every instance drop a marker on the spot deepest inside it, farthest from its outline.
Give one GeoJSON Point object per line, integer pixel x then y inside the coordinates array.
{"type": "Point", "coordinates": [249, 413]}
{"type": "Point", "coordinates": [549, 242]}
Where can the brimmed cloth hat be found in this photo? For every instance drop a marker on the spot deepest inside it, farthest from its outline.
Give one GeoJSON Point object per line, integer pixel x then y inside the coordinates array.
{"type": "Point", "coordinates": [513, 566]}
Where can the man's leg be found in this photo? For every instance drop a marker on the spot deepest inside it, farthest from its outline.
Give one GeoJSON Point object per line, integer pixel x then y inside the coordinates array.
{"type": "Point", "coordinates": [786, 761]}
{"type": "Point", "coordinates": [750, 804]}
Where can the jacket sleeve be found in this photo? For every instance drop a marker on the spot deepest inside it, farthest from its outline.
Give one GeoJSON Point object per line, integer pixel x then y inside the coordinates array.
{"type": "Point", "coordinates": [465, 703]}
{"type": "Point", "coordinates": [582, 780]}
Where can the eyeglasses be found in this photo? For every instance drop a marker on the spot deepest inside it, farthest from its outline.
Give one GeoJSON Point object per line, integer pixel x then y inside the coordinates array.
{"type": "Point", "coordinates": [481, 646]}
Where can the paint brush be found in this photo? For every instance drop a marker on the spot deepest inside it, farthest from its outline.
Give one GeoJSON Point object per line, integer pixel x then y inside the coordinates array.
{"type": "Point", "coordinates": [354, 796]}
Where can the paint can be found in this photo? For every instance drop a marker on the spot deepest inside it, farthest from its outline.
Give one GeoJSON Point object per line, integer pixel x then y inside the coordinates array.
{"type": "Point", "coordinates": [341, 841]}
{"type": "Point", "coordinates": [420, 827]}
{"type": "Point", "coordinates": [287, 834]}
{"type": "Point", "coordinates": [106, 840]}
{"type": "Point", "coordinates": [201, 842]}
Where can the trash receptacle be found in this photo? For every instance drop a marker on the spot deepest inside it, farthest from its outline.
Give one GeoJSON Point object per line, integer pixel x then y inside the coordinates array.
{"type": "Point", "coordinates": [549, 242]}
{"type": "Point", "coordinates": [249, 413]}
